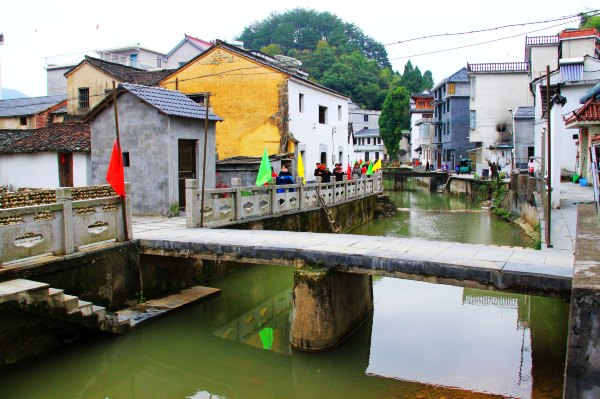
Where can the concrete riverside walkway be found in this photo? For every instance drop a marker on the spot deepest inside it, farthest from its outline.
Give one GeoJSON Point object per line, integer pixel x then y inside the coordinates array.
{"type": "Point", "coordinates": [563, 229]}
{"type": "Point", "coordinates": [515, 269]}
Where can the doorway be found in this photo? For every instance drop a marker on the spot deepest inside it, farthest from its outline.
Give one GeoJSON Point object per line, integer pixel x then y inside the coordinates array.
{"type": "Point", "coordinates": [65, 169]}
{"type": "Point", "coordinates": [186, 166]}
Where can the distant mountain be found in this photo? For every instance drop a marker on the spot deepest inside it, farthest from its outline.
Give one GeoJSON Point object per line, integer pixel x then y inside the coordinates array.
{"type": "Point", "coordinates": [9, 94]}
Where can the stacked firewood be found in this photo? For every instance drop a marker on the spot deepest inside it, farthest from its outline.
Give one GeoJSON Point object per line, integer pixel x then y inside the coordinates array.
{"type": "Point", "coordinates": [30, 197]}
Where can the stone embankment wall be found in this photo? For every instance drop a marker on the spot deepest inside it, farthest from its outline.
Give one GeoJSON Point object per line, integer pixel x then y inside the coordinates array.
{"type": "Point", "coordinates": [519, 199]}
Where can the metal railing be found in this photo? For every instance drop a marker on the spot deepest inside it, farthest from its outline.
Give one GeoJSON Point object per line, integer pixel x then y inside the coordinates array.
{"type": "Point", "coordinates": [229, 205]}
{"type": "Point", "coordinates": [541, 40]}
{"type": "Point", "coordinates": [60, 228]}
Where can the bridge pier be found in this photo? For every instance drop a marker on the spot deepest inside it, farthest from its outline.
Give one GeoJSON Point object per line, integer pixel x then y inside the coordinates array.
{"type": "Point", "coordinates": [327, 306]}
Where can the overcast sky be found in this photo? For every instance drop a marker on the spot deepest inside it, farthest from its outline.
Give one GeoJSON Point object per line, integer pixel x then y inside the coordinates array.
{"type": "Point", "coordinates": [34, 29]}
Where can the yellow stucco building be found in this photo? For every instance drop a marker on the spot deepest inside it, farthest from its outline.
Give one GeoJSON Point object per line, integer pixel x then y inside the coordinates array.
{"type": "Point", "coordinates": [250, 94]}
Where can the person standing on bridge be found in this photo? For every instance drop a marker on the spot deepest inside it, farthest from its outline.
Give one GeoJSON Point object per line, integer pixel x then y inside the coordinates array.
{"type": "Point", "coordinates": [427, 166]}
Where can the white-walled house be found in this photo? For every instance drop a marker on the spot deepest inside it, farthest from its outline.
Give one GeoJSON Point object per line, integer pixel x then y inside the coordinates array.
{"type": "Point", "coordinates": [188, 48]}
{"type": "Point", "coordinates": [496, 91]}
{"type": "Point", "coordinates": [319, 124]}
{"type": "Point", "coordinates": [57, 155]}
{"type": "Point", "coordinates": [421, 114]}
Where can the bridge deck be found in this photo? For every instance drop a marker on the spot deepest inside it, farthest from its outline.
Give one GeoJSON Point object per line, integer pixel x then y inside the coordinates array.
{"type": "Point", "coordinates": [514, 269]}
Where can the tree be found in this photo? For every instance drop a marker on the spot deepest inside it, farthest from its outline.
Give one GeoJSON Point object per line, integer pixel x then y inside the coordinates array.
{"type": "Point", "coordinates": [427, 80]}
{"type": "Point", "coordinates": [589, 21]}
{"type": "Point", "coordinates": [272, 49]}
{"type": "Point", "coordinates": [395, 116]}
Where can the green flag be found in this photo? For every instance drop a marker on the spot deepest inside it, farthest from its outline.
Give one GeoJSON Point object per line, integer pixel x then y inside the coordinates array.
{"type": "Point", "coordinates": [264, 173]}
{"type": "Point", "coordinates": [370, 169]}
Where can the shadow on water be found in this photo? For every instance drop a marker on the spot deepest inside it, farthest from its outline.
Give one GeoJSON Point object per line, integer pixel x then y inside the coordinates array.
{"type": "Point", "coordinates": [422, 340]}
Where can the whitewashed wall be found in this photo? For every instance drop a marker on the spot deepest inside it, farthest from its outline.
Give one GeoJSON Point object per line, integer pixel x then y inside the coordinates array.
{"type": "Point", "coordinates": [314, 137]}
{"type": "Point", "coordinates": [39, 170]}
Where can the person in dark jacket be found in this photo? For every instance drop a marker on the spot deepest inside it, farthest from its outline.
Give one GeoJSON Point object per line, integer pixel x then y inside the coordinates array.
{"type": "Point", "coordinates": [326, 176]}
{"type": "Point", "coordinates": [338, 172]}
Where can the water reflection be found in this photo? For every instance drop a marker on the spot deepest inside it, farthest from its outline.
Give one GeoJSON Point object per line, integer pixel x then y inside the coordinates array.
{"type": "Point", "coordinates": [423, 341]}
{"type": "Point", "coordinates": [437, 216]}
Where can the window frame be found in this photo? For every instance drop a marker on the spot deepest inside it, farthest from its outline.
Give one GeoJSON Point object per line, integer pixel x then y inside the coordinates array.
{"type": "Point", "coordinates": [83, 98]}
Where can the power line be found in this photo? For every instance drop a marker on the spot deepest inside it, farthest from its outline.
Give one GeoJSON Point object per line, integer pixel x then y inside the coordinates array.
{"type": "Point", "coordinates": [491, 29]}
{"type": "Point", "coordinates": [478, 44]}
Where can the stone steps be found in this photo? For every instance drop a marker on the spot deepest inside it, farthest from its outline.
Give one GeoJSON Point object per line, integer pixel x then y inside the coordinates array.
{"type": "Point", "coordinates": [40, 298]}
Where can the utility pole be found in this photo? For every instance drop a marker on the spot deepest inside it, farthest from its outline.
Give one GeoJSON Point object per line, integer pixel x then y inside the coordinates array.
{"type": "Point", "coordinates": [548, 162]}
{"type": "Point", "coordinates": [206, 104]}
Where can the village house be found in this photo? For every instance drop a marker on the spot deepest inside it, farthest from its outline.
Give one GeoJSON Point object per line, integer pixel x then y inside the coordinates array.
{"type": "Point", "coordinates": [421, 114]}
{"type": "Point", "coordinates": [451, 119]}
{"type": "Point", "coordinates": [90, 80]}
{"type": "Point", "coordinates": [367, 141]}
{"type": "Point", "coordinates": [32, 112]}
{"type": "Point", "coordinates": [134, 56]}
{"type": "Point", "coordinates": [56, 155]}
{"type": "Point", "coordinates": [188, 48]}
{"type": "Point", "coordinates": [496, 91]}
{"type": "Point", "coordinates": [587, 120]}
{"type": "Point", "coordinates": [267, 102]}
{"type": "Point", "coordinates": [162, 139]}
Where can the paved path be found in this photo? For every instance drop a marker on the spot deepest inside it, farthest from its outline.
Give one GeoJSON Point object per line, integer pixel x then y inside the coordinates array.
{"type": "Point", "coordinates": [564, 220]}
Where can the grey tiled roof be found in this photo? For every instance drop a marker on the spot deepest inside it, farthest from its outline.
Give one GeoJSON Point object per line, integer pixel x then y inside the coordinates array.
{"type": "Point", "coordinates": [170, 102]}
{"type": "Point", "coordinates": [29, 106]}
{"type": "Point", "coordinates": [56, 137]}
{"type": "Point", "coordinates": [525, 112]}
{"type": "Point", "coordinates": [367, 132]}
{"type": "Point", "coordinates": [126, 73]}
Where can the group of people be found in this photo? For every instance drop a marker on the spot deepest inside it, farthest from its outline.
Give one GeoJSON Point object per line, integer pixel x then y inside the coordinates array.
{"type": "Point", "coordinates": [322, 171]}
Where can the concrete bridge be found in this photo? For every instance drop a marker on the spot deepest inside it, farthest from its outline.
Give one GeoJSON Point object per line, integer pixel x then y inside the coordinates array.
{"type": "Point", "coordinates": [400, 176]}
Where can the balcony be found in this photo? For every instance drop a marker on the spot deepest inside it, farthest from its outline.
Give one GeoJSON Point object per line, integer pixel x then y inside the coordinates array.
{"type": "Point", "coordinates": [541, 40]}
{"type": "Point", "coordinates": [499, 67]}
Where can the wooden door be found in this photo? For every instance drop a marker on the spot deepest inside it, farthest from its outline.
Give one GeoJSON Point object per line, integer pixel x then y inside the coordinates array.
{"type": "Point", "coordinates": [65, 169]}
{"type": "Point", "coordinates": [187, 166]}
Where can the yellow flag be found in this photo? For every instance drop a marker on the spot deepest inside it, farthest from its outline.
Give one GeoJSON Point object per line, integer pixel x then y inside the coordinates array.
{"type": "Point", "coordinates": [301, 167]}
{"type": "Point", "coordinates": [377, 165]}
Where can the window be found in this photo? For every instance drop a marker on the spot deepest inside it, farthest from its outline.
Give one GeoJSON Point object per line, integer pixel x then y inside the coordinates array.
{"type": "Point", "coordinates": [23, 121]}
{"type": "Point", "coordinates": [159, 62]}
{"type": "Point", "coordinates": [355, 141]}
{"type": "Point", "coordinates": [322, 115]}
{"type": "Point", "coordinates": [378, 140]}
{"type": "Point", "coordinates": [339, 112]}
{"type": "Point", "coordinates": [472, 119]}
{"type": "Point", "coordinates": [84, 98]}
{"type": "Point", "coordinates": [365, 118]}
{"type": "Point", "coordinates": [366, 156]}
{"type": "Point", "coordinates": [133, 59]}
{"type": "Point", "coordinates": [324, 158]}
{"type": "Point", "coordinates": [448, 106]}
{"type": "Point", "coordinates": [530, 152]}
{"type": "Point", "coordinates": [198, 98]}
{"type": "Point", "coordinates": [300, 102]}
{"type": "Point", "coordinates": [126, 159]}
{"type": "Point", "coordinates": [368, 141]}
{"type": "Point", "coordinates": [341, 156]}
{"type": "Point", "coordinates": [451, 88]}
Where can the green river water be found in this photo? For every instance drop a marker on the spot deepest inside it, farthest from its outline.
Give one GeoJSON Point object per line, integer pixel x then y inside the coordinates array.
{"type": "Point", "coordinates": [423, 340]}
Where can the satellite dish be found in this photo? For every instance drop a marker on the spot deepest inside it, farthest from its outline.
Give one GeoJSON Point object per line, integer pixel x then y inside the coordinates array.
{"type": "Point", "coordinates": [288, 61]}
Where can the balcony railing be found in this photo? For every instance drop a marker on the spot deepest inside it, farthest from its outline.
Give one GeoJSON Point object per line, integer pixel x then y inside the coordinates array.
{"type": "Point", "coordinates": [65, 60]}
{"type": "Point", "coordinates": [499, 67]}
{"type": "Point", "coordinates": [541, 40]}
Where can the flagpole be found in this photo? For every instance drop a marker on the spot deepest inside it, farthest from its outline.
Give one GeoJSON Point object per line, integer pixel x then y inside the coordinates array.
{"type": "Point", "coordinates": [123, 200]}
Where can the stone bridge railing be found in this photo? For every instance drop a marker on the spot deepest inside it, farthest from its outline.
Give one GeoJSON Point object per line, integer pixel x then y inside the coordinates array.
{"type": "Point", "coordinates": [61, 227]}
{"type": "Point", "coordinates": [226, 205]}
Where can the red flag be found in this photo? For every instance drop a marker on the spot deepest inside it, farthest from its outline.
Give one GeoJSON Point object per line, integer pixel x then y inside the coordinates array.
{"type": "Point", "coordinates": [115, 175]}
{"type": "Point", "coordinates": [349, 172]}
